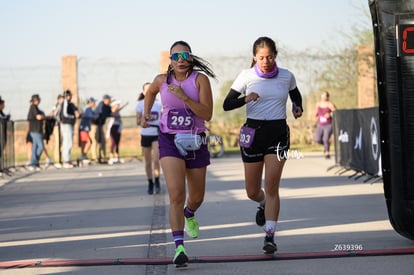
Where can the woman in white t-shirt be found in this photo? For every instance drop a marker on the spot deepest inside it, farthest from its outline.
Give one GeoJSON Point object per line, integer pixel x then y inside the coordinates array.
{"type": "Point", "coordinates": [149, 141]}
{"type": "Point", "coordinates": [264, 138]}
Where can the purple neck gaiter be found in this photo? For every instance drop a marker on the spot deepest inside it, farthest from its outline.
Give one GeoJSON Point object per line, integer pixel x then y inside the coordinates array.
{"type": "Point", "coordinates": [271, 74]}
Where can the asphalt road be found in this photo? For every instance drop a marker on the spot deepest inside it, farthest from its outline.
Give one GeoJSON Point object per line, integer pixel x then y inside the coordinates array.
{"type": "Point", "coordinates": [102, 212]}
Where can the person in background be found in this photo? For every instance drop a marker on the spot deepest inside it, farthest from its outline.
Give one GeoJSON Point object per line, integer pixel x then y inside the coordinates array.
{"type": "Point", "coordinates": [264, 138]}
{"type": "Point", "coordinates": [57, 107]}
{"type": "Point", "coordinates": [68, 116]}
{"type": "Point", "coordinates": [3, 116]}
{"type": "Point", "coordinates": [29, 144]}
{"type": "Point", "coordinates": [187, 103]}
{"type": "Point", "coordinates": [35, 117]}
{"type": "Point", "coordinates": [149, 140]}
{"type": "Point", "coordinates": [4, 119]}
{"type": "Point", "coordinates": [48, 125]}
{"type": "Point", "coordinates": [55, 113]}
{"type": "Point", "coordinates": [85, 127]}
{"type": "Point", "coordinates": [103, 111]}
{"type": "Point", "coordinates": [323, 113]}
{"type": "Point", "coordinates": [114, 132]}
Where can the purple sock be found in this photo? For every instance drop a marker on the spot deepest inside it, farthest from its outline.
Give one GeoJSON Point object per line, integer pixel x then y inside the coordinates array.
{"type": "Point", "coordinates": [188, 213]}
{"type": "Point", "coordinates": [178, 237]}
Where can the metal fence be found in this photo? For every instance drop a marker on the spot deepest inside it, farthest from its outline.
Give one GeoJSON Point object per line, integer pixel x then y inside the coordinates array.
{"type": "Point", "coordinates": [16, 151]}
{"type": "Point", "coordinates": [7, 160]}
{"type": "Point", "coordinates": [129, 146]}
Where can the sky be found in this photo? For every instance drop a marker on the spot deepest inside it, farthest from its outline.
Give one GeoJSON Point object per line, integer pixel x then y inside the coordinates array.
{"type": "Point", "coordinates": [35, 34]}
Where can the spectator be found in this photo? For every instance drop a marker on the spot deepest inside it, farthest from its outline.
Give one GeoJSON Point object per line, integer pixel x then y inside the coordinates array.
{"type": "Point", "coordinates": [85, 127]}
{"type": "Point", "coordinates": [114, 132]}
{"type": "Point", "coordinates": [48, 125]}
{"type": "Point", "coordinates": [68, 116]}
{"type": "Point", "coordinates": [3, 116]}
{"type": "Point", "coordinates": [29, 144]}
{"type": "Point", "coordinates": [58, 105]}
{"type": "Point", "coordinates": [103, 111]}
{"type": "Point", "coordinates": [46, 132]}
{"type": "Point", "coordinates": [35, 118]}
{"type": "Point", "coordinates": [4, 119]}
{"type": "Point", "coordinates": [55, 113]}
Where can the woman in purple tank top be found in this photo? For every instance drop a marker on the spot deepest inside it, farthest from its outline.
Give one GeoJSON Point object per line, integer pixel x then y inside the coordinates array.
{"type": "Point", "coordinates": [323, 133]}
{"type": "Point", "coordinates": [187, 103]}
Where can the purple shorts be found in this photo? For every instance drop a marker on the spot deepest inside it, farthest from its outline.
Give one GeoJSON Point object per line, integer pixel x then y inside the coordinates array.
{"type": "Point", "coordinates": [194, 159]}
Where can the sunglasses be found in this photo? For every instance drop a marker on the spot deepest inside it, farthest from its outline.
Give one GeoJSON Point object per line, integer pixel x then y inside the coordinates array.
{"type": "Point", "coordinates": [183, 55]}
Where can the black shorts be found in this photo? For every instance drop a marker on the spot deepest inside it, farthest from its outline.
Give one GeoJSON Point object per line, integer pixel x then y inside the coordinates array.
{"type": "Point", "coordinates": [271, 137]}
{"type": "Point", "coordinates": [146, 141]}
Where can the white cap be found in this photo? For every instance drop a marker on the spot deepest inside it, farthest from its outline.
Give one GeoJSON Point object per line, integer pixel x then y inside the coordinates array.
{"type": "Point", "coordinates": [115, 102]}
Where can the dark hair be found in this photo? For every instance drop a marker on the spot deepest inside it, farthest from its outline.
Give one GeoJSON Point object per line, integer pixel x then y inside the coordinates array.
{"type": "Point", "coordinates": [262, 42]}
{"type": "Point", "coordinates": [67, 92]}
{"type": "Point", "coordinates": [141, 95]}
{"type": "Point", "coordinates": [198, 64]}
{"type": "Point", "coordinates": [145, 84]}
{"type": "Point", "coordinates": [35, 97]}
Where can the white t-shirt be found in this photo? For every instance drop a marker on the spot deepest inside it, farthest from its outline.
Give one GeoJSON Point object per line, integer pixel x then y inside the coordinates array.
{"type": "Point", "coordinates": [273, 93]}
{"type": "Point", "coordinates": [155, 117]}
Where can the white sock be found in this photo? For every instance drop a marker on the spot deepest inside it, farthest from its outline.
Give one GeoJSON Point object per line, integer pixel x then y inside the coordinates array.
{"type": "Point", "coordinates": [270, 227]}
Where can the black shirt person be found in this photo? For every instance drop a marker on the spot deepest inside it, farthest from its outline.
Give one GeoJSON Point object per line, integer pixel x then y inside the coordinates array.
{"type": "Point", "coordinates": [35, 117]}
{"type": "Point", "coordinates": [103, 111]}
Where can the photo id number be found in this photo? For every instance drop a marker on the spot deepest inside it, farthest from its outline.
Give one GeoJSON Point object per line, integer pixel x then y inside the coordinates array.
{"type": "Point", "coordinates": [347, 247]}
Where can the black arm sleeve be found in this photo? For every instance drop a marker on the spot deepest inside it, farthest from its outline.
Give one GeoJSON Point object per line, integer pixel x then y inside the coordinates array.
{"type": "Point", "coordinates": [233, 101]}
{"type": "Point", "coordinates": [296, 97]}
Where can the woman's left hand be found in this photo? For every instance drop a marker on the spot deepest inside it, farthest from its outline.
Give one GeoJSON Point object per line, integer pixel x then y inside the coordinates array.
{"type": "Point", "coordinates": [297, 112]}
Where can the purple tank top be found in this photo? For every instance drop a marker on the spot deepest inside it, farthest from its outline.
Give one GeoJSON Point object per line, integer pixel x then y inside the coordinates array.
{"type": "Point", "coordinates": [322, 120]}
{"type": "Point", "coordinates": [176, 116]}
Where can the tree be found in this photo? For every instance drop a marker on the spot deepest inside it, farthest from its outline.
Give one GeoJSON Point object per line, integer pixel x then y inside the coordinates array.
{"type": "Point", "coordinates": [339, 74]}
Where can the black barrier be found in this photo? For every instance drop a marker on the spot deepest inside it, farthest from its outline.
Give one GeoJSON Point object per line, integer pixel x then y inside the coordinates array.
{"type": "Point", "coordinates": [356, 134]}
{"type": "Point", "coordinates": [6, 145]}
{"type": "Point", "coordinates": [393, 24]}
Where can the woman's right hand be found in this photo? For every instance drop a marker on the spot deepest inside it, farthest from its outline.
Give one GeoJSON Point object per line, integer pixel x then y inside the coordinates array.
{"type": "Point", "coordinates": [144, 119]}
{"type": "Point", "coordinates": [251, 97]}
